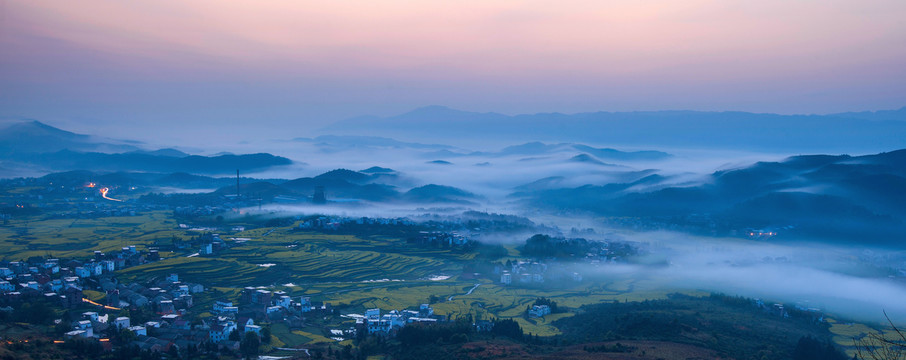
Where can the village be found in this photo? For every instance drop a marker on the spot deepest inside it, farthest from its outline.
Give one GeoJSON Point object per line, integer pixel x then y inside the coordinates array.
{"type": "Point", "coordinates": [162, 316]}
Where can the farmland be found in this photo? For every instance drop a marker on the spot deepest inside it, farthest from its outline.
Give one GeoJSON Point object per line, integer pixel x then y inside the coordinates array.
{"type": "Point", "coordinates": [350, 272]}
{"type": "Point", "coordinates": [72, 238]}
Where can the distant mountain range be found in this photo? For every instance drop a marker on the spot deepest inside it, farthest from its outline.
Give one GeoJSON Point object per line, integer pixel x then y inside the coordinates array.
{"type": "Point", "coordinates": [331, 143]}
{"type": "Point", "coordinates": [36, 137]}
{"type": "Point", "coordinates": [862, 132]}
{"type": "Point", "coordinates": [339, 184]}
{"type": "Point", "coordinates": [35, 144]}
{"type": "Point", "coordinates": [821, 196]}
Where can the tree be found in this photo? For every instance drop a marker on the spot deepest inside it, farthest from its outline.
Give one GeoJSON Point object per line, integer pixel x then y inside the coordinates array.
{"type": "Point", "coordinates": [266, 335]}
{"type": "Point", "coordinates": [234, 335]}
{"type": "Point", "coordinates": [124, 336]}
{"type": "Point", "coordinates": [878, 346]}
{"type": "Point", "coordinates": [174, 352]}
{"type": "Point", "coordinates": [809, 348]}
{"type": "Point", "coordinates": [249, 345]}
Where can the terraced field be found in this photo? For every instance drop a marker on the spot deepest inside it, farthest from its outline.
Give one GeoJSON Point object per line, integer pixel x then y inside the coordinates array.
{"type": "Point", "coordinates": [208, 271]}
{"type": "Point", "coordinates": [354, 272]}
{"type": "Point", "coordinates": [75, 238]}
{"type": "Point", "coordinates": [376, 272]}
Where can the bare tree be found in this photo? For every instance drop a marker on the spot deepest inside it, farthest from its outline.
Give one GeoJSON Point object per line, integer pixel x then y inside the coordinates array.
{"type": "Point", "coordinates": [877, 346]}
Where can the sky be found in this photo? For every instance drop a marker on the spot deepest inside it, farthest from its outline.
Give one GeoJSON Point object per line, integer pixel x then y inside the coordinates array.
{"type": "Point", "coordinates": [175, 70]}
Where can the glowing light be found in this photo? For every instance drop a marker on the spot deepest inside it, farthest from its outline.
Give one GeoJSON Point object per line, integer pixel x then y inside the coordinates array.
{"type": "Point", "coordinates": [96, 304]}
{"type": "Point", "coordinates": [104, 194]}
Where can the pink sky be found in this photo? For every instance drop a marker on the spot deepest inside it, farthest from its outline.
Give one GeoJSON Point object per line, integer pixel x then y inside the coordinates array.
{"type": "Point", "coordinates": [317, 60]}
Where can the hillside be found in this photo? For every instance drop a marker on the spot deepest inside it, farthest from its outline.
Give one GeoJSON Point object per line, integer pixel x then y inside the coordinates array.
{"type": "Point", "coordinates": [35, 144]}
{"type": "Point", "coordinates": [837, 197]}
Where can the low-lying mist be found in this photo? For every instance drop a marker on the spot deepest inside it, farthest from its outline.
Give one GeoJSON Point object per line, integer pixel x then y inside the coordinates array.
{"type": "Point", "coordinates": [857, 281]}
{"type": "Point", "coordinates": [853, 282]}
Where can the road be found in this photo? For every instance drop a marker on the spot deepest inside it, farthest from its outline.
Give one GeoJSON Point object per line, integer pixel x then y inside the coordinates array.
{"type": "Point", "coordinates": [468, 293]}
{"type": "Point", "coordinates": [104, 195]}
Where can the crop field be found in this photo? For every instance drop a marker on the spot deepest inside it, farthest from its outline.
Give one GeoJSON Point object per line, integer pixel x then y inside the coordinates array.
{"type": "Point", "coordinates": [352, 272]}
{"type": "Point", "coordinates": [209, 271]}
{"type": "Point", "coordinates": [374, 272]}
{"type": "Point", "coordinates": [541, 326]}
{"type": "Point", "coordinates": [73, 238]}
{"type": "Point", "coordinates": [287, 337]}
{"type": "Point", "coordinates": [846, 332]}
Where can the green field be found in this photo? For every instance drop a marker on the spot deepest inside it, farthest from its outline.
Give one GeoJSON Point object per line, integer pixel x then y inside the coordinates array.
{"type": "Point", "coordinates": [344, 270]}
{"type": "Point", "coordinates": [79, 238]}
{"type": "Point", "coordinates": [352, 273]}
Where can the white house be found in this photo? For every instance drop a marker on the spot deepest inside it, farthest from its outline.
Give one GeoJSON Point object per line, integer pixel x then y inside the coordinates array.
{"type": "Point", "coordinates": [372, 314]}
{"type": "Point", "coordinates": [253, 328]}
{"type": "Point", "coordinates": [80, 334]}
{"type": "Point", "coordinates": [506, 278]}
{"type": "Point", "coordinates": [82, 272]}
{"type": "Point", "coordinates": [305, 302]}
{"type": "Point", "coordinates": [219, 305]}
{"type": "Point", "coordinates": [139, 330]}
{"type": "Point", "coordinates": [6, 286]}
{"type": "Point", "coordinates": [96, 269]}
{"type": "Point", "coordinates": [90, 315]}
{"type": "Point", "coordinates": [84, 325]}
{"type": "Point", "coordinates": [121, 322]}
{"type": "Point", "coordinates": [56, 285]}
{"type": "Point", "coordinates": [221, 332]}
{"type": "Point", "coordinates": [385, 323]}
{"type": "Point", "coordinates": [539, 310]}
{"type": "Point", "coordinates": [284, 302]}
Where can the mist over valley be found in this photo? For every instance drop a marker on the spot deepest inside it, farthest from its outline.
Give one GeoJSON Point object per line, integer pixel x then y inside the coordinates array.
{"type": "Point", "coordinates": [408, 180]}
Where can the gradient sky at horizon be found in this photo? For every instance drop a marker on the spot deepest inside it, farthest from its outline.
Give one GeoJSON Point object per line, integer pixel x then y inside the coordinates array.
{"type": "Point", "coordinates": [149, 67]}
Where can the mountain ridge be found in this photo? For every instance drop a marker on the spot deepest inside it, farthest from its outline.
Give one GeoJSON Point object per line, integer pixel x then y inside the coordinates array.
{"type": "Point", "coordinates": [844, 132]}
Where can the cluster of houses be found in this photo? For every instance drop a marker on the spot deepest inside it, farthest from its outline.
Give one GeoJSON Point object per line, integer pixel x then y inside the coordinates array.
{"type": "Point", "coordinates": [63, 281]}
{"type": "Point", "coordinates": [524, 272]}
{"type": "Point", "coordinates": [169, 300]}
{"type": "Point", "coordinates": [442, 237]}
{"type": "Point", "coordinates": [533, 272]}
{"type": "Point", "coordinates": [334, 222]}
{"type": "Point", "coordinates": [258, 303]}
{"type": "Point", "coordinates": [539, 310]}
{"type": "Point", "coordinates": [261, 303]}
{"type": "Point", "coordinates": [376, 322]}
{"type": "Point", "coordinates": [196, 211]}
{"type": "Point", "coordinates": [92, 325]}
{"type": "Point", "coordinates": [173, 324]}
